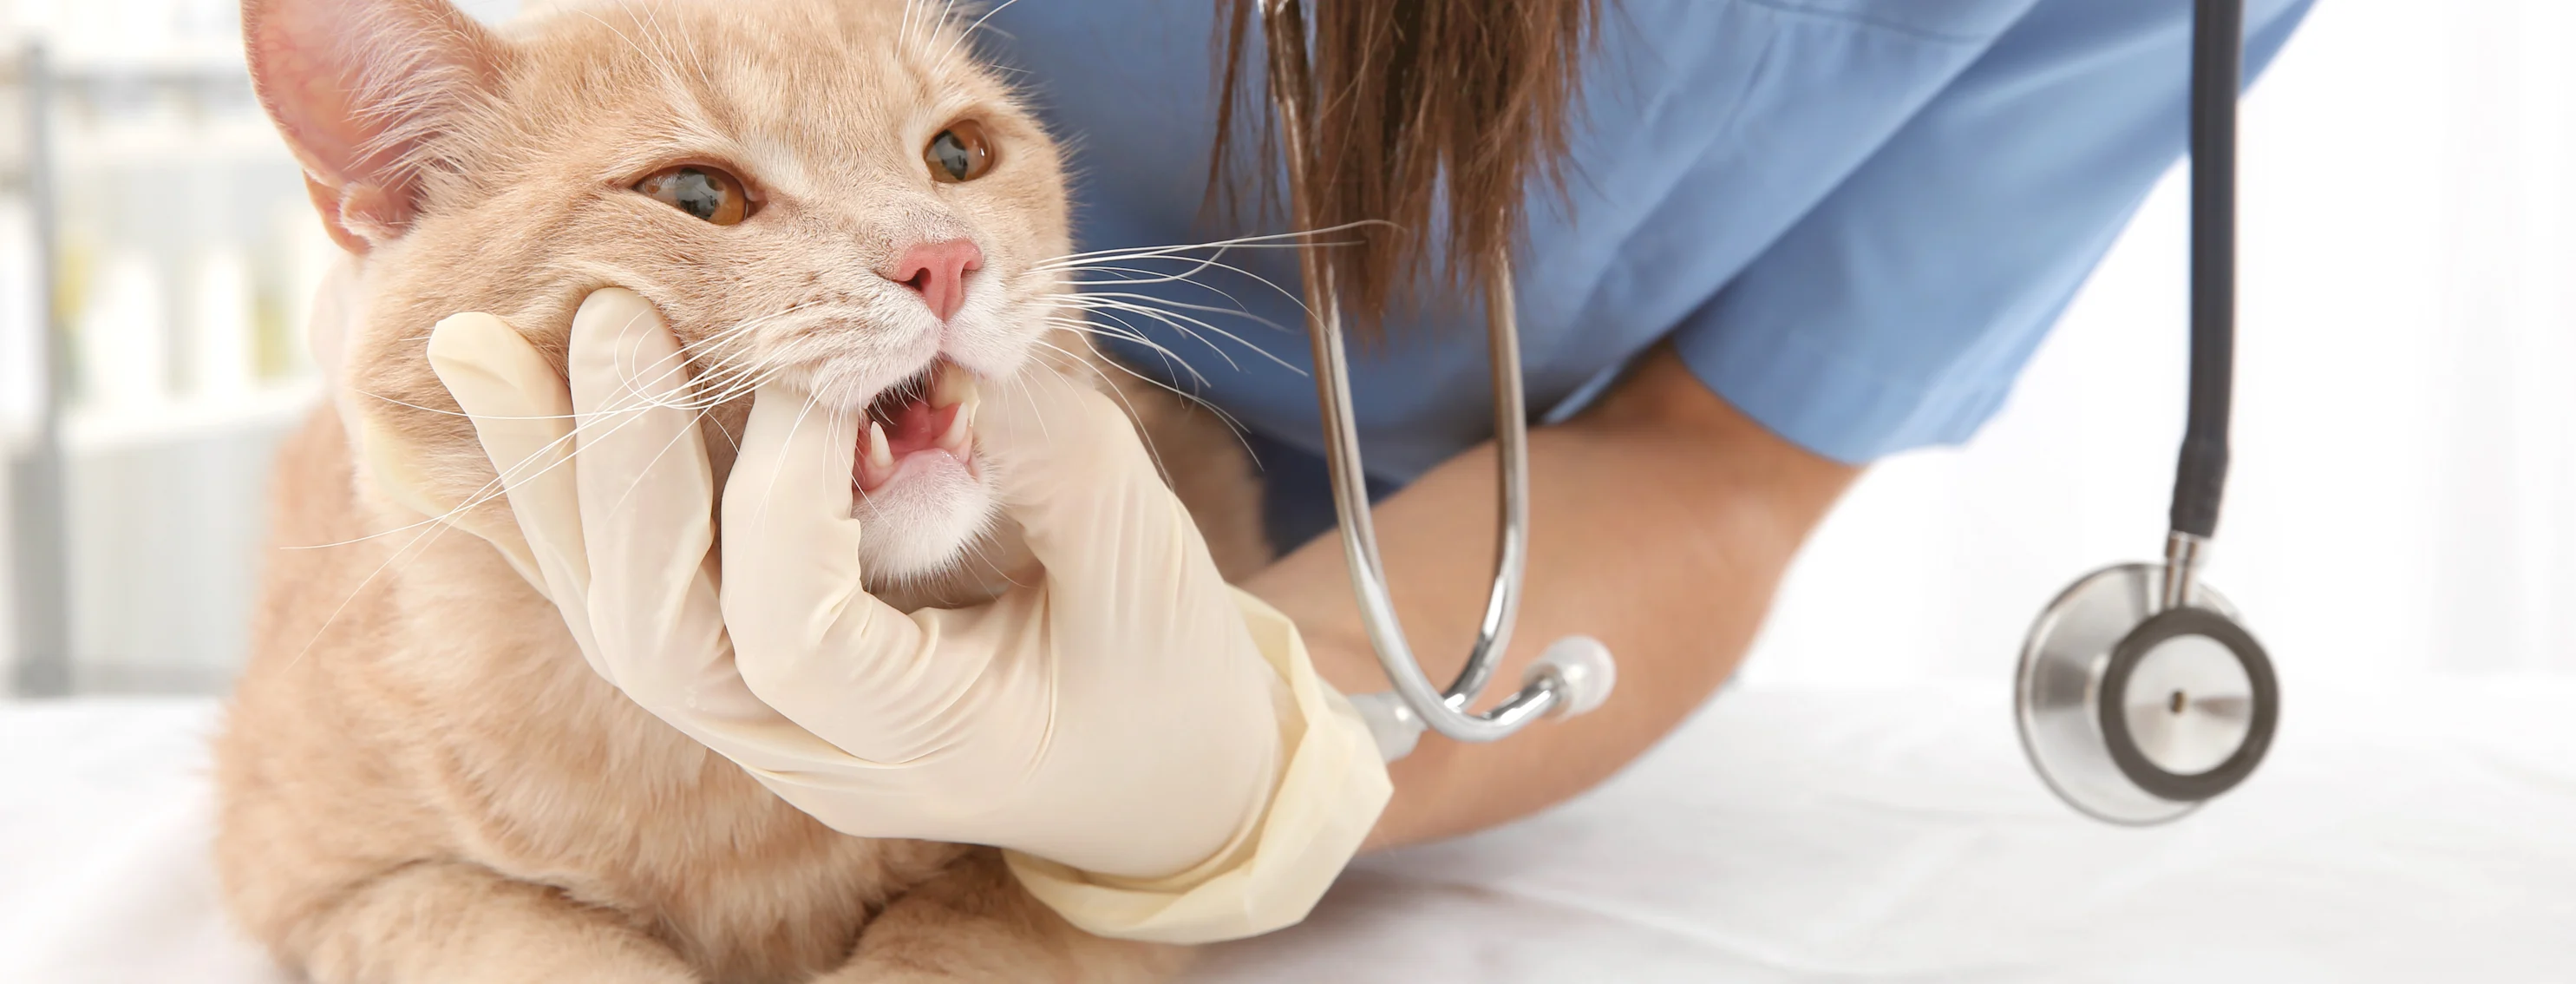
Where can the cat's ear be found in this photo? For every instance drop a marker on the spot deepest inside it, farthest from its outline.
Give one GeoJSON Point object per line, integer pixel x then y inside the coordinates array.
{"type": "Point", "coordinates": [364, 90]}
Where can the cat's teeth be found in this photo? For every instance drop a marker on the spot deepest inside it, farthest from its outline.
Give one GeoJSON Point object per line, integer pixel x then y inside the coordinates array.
{"type": "Point", "coordinates": [954, 439]}
{"type": "Point", "coordinates": [880, 457]}
{"type": "Point", "coordinates": [952, 385]}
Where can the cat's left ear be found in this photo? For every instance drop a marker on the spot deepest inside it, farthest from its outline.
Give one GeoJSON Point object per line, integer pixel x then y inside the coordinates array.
{"type": "Point", "coordinates": [368, 93]}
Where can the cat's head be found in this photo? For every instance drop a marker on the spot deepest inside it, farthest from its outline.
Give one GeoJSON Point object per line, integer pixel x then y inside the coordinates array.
{"type": "Point", "coordinates": [829, 193]}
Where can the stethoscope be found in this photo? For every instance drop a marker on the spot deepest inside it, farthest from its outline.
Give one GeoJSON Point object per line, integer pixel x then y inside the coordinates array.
{"type": "Point", "coordinates": [2138, 698]}
{"type": "Point", "coordinates": [2139, 695]}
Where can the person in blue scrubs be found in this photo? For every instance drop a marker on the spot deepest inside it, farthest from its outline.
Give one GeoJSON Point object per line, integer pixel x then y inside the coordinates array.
{"type": "Point", "coordinates": [1798, 236]}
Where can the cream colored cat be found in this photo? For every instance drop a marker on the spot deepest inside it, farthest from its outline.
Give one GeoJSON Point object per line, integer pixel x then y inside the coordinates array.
{"type": "Point", "coordinates": [422, 780]}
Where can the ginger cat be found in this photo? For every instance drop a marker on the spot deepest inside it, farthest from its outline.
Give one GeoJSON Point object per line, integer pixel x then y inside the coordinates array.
{"type": "Point", "coordinates": [421, 779]}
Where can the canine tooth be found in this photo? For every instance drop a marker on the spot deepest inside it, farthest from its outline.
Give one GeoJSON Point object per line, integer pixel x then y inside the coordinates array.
{"type": "Point", "coordinates": [951, 386]}
{"type": "Point", "coordinates": [953, 440]}
{"type": "Point", "coordinates": [880, 457]}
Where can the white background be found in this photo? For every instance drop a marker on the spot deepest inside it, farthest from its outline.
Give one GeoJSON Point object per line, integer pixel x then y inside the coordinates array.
{"type": "Point", "coordinates": [2404, 495]}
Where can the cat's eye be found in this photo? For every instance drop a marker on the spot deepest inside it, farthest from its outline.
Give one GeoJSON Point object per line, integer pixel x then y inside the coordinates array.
{"type": "Point", "coordinates": [959, 153]}
{"type": "Point", "coordinates": [704, 192]}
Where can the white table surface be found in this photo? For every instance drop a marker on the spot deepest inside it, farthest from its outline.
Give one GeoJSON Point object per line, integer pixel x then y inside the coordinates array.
{"type": "Point", "coordinates": [2412, 832]}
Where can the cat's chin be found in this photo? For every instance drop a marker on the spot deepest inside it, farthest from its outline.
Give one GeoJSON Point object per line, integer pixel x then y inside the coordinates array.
{"type": "Point", "coordinates": [919, 526]}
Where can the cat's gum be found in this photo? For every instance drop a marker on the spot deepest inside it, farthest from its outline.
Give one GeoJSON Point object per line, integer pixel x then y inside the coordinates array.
{"type": "Point", "coordinates": [950, 405]}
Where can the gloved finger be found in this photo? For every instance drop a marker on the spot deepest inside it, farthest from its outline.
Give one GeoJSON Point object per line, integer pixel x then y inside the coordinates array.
{"type": "Point", "coordinates": [647, 501]}
{"type": "Point", "coordinates": [522, 413]}
{"type": "Point", "coordinates": [1123, 558]}
{"type": "Point", "coordinates": [647, 512]}
{"type": "Point", "coordinates": [1073, 471]}
{"type": "Point", "coordinates": [808, 638]}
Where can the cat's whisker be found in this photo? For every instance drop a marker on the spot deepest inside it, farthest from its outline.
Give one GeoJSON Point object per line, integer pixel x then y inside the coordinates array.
{"type": "Point", "coordinates": [947, 9]}
{"type": "Point", "coordinates": [660, 66]}
{"type": "Point", "coordinates": [417, 541]}
{"type": "Point", "coordinates": [373, 395]}
{"type": "Point", "coordinates": [736, 385]}
{"type": "Point", "coordinates": [1112, 311]}
{"type": "Point", "coordinates": [734, 374]}
{"type": "Point", "coordinates": [1093, 331]}
{"type": "Point", "coordinates": [723, 379]}
{"type": "Point", "coordinates": [1109, 303]}
{"type": "Point", "coordinates": [1094, 328]}
{"type": "Point", "coordinates": [1132, 335]}
{"type": "Point", "coordinates": [671, 50]}
{"type": "Point", "coordinates": [1139, 304]}
{"type": "Point", "coordinates": [713, 371]}
{"type": "Point", "coordinates": [1082, 327]}
{"type": "Point", "coordinates": [732, 440]}
{"type": "Point", "coordinates": [1030, 398]}
{"type": "Point", "coordinates": [677, 439]}
{"type": "Point", "coordinates": [1274, 240]}
{"type": "Point", "coordinates": [499, 486]}
{"type": "Point", "coordinates": [969, 32]}
{"type": "Point", "coordinates": [1133, 416]}
{"type": "Point", "coordinates": [620, 412]}
{"type": "Point", "coordinates": [1197, 264]}
{"type": "Point", "coordinates": [1185, 396]}
{"type": "Point", "coordinates": [769, 493]}
{"type": "Point", "coordinates": [1147, 277]}
{"type": "Point", "coordinates": [1121, 261]}
{"type": "Point", "coordinates": [975, 550]}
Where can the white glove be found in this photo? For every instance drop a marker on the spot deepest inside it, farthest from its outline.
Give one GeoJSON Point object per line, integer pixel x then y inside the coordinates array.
{"type": "Point", "coordinates": [1149, 741]}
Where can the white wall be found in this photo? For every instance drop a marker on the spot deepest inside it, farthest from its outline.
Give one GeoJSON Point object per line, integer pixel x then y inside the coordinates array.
{"type": "Point", "coordinates": [186, 251]}
{"type": "Point", "coordinates": [2404, 496]}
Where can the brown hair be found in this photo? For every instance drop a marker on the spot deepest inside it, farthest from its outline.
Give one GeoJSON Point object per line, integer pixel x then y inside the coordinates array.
{"type": "Point", "coordinates": [1415, 102]}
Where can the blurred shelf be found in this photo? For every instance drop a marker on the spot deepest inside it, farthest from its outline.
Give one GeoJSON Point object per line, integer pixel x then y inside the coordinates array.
{"type": "Point", "coordinates": [276, 405]}
{"type": "Point", "coordinates": [83, 151]}
{"type": "Point", "coordinates": [178, 61]}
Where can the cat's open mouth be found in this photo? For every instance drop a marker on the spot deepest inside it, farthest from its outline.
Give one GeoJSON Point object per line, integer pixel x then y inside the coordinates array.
{"type": "Point", "coordinates": [932, 413]}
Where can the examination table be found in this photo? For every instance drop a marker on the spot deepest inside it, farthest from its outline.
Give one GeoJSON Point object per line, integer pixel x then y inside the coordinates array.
{"type": "Point", "coordinates": [2419, 831]}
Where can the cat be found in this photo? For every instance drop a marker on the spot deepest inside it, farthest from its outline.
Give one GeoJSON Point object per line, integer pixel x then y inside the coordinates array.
{"type": "Point", "coordinates": [420, 778]}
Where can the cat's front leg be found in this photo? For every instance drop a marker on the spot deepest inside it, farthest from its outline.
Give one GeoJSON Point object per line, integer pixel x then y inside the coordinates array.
{"type": "Point", "coordinates": [973, 922]}
{"type": "Point", "coordinates": [446, 922]}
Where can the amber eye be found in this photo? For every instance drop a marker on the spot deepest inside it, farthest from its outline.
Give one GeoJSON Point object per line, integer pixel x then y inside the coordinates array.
{"type": "Point", "coordinates": [959, 153]}
{"type": "Point", "coordinates": [704, 192]}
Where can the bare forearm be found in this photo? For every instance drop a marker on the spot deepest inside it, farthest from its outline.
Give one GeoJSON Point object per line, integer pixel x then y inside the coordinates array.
{"type": "Point", "coordinates": [1661, 523]}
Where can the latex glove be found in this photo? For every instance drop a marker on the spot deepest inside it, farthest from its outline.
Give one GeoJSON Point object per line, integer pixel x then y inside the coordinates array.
{"type": "Point", "coordinates": [1149, 741]}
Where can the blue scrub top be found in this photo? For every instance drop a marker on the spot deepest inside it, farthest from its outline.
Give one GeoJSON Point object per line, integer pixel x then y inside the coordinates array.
{"type": "Point", "coordinates": [1854, 219]}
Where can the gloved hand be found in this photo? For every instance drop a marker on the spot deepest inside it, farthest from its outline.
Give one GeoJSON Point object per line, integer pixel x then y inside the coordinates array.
{"type": "Point", "coordinates": [1148, 741]}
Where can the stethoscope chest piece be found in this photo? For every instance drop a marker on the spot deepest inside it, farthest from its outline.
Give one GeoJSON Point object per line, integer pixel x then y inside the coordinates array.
{"type": "Point", "coordinates": [2136, 712]}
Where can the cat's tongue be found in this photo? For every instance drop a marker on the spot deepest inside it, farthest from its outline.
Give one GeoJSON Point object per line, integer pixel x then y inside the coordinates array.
{"type": "Point", "coordinates": [914, 422]}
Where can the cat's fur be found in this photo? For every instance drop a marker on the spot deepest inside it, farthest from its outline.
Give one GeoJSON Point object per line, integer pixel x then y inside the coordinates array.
{"type": "Point", "coordinates": [421, 779]}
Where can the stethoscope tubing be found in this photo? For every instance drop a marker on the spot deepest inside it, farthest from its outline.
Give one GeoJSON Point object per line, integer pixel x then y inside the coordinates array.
{"type": "Point", "coordinates": [1580, 678]}
{"type": "Point", "coordinates": [2200, 475]}
{"type": "Point", "coordinates": [1445, 711]}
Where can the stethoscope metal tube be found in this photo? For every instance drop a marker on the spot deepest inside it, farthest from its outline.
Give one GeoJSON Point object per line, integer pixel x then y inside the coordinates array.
{"type": "Point", "coordinates": [1575, 674]}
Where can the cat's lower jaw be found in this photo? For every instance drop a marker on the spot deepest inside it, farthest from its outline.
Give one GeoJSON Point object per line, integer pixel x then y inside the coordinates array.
{"type": "Point", "coordinates": [919, 524]}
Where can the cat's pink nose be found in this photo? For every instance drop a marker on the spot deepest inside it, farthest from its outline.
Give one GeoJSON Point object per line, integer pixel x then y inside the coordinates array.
{"type": "Point", "coordinates": [937, 271]}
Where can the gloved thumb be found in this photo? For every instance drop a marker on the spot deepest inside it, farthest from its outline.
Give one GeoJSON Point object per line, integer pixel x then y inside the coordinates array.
{"type": "Point", "coordinates": [523, 416]}
{"type": "Point", "coordinates": [1076, 475]}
